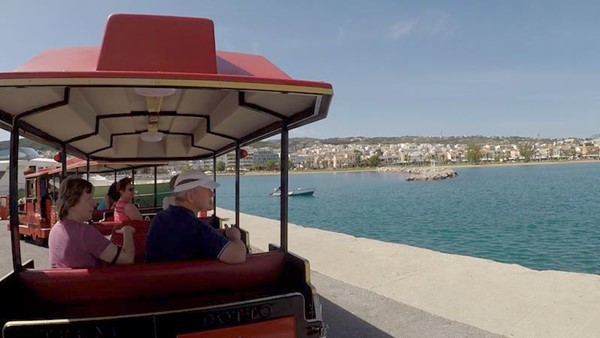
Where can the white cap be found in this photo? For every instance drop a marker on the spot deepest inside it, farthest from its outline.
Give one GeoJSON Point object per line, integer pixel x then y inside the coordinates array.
{"type": "Point", "coordinates": [193, 179]}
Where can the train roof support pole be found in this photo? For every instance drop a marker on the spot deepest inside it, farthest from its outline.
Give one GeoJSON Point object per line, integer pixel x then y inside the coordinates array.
{"type": "Point", "coordinates": [155, 187]}
{"type": "Point", "coordinates": [13, 197]}
{"type": "Point", "coordinates": [284, 188]}
{"type": "Point", "coordinates": [63, 161]}
{"type": "Point", "coordinates": [237, 184]}
{"type": "Point", "coordinates": [215, 179]}
{"type": "Point", "coordinates": [87, 167]}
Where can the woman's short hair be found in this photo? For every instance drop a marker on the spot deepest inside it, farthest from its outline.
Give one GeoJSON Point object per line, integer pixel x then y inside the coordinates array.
{"type": "Point", "coordinates": [71, 190]}
{"type": "Point", "coordinates": [123, 183]}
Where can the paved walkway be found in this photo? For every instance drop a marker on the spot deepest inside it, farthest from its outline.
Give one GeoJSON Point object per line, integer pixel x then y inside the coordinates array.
{"type": "Point", "coordinates": [505, 299]}
{"type": "Point", "coordinates": [349, 311]}
{"type": "Point", "coordinates": [376, 289]}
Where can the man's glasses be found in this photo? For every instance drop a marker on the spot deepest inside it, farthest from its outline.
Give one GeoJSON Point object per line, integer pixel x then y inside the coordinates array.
{"type": "Point", "coordinates": [130, 189]}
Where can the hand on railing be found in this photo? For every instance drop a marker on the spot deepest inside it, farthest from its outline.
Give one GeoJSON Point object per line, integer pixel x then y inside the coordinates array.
{"type": "Point", "coordinates": [232, 232]}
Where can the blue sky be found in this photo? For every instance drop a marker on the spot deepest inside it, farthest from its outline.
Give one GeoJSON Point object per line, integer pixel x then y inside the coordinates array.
{"type": "Point", "coordinates": [495, 68]}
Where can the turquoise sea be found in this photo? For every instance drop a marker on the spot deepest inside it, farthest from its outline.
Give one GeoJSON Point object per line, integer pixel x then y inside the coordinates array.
{"type": "Point", "coordinates": [544, 217]}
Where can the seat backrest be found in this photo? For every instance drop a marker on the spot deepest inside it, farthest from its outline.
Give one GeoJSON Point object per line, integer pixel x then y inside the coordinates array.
{"type": "Point", "coordinates": [108, 215]}
{"type": "Point", "coordinates": [152, 280]}
{"type": "Point", "coordinates": [139, 237]}
{"type": "Point", "coordinates": [140, 226]}
{"type": "Point", "coordinates": [107, 227]}
{"type": "Point", "coordinates": [139, 240]}
{"type": "Point", "coordinates": [97, 215]}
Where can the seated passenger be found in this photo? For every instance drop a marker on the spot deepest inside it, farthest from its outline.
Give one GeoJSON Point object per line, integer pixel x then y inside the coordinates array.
{"type": "Point", "coordinates": [75, 244]}
{"type": "Point", "coordinates": [125, 210]}
{"type": "Point", "coordinates": [177, 234]}
{"type": "Point", "coordinates": [51, 192]}
{"type": "Point", "coordinates": [111, 197]}
{"type": "Point", "coordinates": [169, 200]}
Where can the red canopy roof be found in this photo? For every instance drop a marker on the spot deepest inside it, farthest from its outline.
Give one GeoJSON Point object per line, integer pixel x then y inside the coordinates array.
{"type": "Point", "coordinates": [164, 44]}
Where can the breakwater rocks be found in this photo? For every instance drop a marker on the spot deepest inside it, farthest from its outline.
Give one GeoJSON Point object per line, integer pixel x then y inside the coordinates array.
{"type": "Point", "coordinates": [422, 173]}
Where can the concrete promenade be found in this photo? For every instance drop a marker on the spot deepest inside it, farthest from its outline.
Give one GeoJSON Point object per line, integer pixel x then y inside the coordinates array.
{"type": "Point", "coordinates": [375, 289]}
{"type": "Point", "coordinates": [504, 299]}
{"type": "Point", "coordinates": [348, 311]}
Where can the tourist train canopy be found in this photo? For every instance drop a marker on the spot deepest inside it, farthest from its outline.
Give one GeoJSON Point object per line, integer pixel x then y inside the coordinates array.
{"type": "Point", "coordinates": [156, 89]}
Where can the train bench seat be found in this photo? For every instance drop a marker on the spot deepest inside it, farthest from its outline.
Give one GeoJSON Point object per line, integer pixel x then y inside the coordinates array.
{"type": "Point", "coordinates": [151, 280]}
{"type": "Point", "coordinates": [108, 228]}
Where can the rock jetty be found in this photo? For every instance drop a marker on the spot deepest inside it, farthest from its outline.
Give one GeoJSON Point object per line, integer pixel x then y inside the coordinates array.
{"type": "Point", "coordinates": [422, 173]}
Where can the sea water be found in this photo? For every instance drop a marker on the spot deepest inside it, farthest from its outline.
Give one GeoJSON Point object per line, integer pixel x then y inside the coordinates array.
{"type": "Point", "coordinates": [539, 216]}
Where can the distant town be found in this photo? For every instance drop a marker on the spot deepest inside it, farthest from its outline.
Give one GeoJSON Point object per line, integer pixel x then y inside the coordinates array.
{"type": "Point", "coordinates": [323, 155]}
{"type": "Point", "coordinates": [364, 152]}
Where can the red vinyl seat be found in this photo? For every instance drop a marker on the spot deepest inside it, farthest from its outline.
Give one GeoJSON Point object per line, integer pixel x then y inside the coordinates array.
{"type": "Point", "coordinates": [151, 280]}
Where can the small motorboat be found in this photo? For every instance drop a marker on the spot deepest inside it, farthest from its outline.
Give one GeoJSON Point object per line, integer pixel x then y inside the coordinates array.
{"type": "Point", "coordinates": [296, 192]}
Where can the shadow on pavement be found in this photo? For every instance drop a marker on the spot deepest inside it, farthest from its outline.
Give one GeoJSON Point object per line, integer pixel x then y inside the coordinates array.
{"type": "Point", "coordinates": [341, 323]}
{"type": "Point", "coordinates": [350, 311]}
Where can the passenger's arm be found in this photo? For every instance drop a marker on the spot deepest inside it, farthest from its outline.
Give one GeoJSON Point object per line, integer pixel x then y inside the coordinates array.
{"type": "Point", "coordinates": [127, 255]}
{"type": "Point", "coordinates": [132, 212]}
{"type": "Point", "coordinates": [235, 251]}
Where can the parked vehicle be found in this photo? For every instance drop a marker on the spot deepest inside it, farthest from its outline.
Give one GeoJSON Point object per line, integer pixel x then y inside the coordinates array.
{"type": "Point", "coordinates": [29, 159]}
{"type": "Point", "coordinates": [164, 96]}
{"type": "Point", "coordinates": [37, 209]}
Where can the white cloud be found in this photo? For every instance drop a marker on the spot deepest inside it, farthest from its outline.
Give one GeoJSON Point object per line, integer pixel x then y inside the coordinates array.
{"type": "Point", "coordinates": [441, 26]}
{"type": "Point", "coordinates": [428, 25]}
{"type": "Point", "coordinates": [403, 28]}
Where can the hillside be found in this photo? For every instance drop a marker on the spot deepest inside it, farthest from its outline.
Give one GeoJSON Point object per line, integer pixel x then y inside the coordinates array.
{"type": "Point", "coordinates": [296, 143]}
{"type": "Point", "coordinates": [303, 142]}
{"type": "Point", "coordinates": [27, 143]}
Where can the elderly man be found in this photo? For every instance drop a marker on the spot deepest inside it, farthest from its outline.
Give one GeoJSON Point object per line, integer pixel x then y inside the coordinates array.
{"type": "Point", "coordinates": [177, 234]}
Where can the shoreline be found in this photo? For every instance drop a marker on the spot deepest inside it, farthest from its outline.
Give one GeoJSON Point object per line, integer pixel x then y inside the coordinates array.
{"type": "Point", "coordinates": [374, 169]}
{"type": "Point", "coordinates": [515, 164]}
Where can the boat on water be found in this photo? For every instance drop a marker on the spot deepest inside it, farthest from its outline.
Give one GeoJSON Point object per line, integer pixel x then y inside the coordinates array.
{"type": "Point", "coordinates": [296, 192]}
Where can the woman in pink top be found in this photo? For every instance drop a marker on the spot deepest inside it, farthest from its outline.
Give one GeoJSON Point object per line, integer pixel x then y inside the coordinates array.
{"type": "Point", "coordinates": [76, 244]}
{"type": "Point", "coordinates": [125, 210]}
